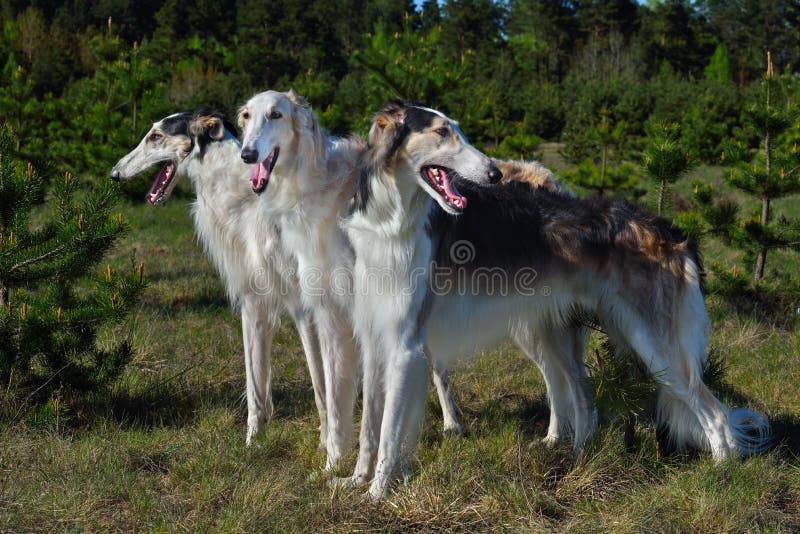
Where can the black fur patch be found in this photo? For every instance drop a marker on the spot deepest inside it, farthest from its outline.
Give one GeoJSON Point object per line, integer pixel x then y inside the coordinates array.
{"type": "Point", "coordinates": [177, 124]}
{"type": "Point", "coordinates": [514, 226]}
{"type": "Point", "coordinates": [364, 190]}
{"type": "Point", "coordinates": [205, 139]}
{"type": "Point", "coordinates": [418, 119]}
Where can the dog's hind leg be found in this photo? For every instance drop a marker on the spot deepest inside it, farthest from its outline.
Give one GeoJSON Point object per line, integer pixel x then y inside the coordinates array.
{"type": "Point", "coordinates": [558, 352]}
{"type": "Point", "coordinates": [441, 380]}
{"type": "Point", "coordinates": [693, 414]}
{"type": "Point", "coordinates": [258, 328]}
{"type": "Point", "coordinates": [304, 321]}
{"type": "Point", "coordinates": [700, 418]}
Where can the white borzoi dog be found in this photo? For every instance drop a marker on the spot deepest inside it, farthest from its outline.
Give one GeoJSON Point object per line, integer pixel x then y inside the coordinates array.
{"type": "Point", "coordinates": [307, 181]}
{"type": "Point", "coordinates": [260, 278]}
{"type": "Point", "coordinates": [638, 274]}
{"type": "Point", "coordinates": [303, 179]}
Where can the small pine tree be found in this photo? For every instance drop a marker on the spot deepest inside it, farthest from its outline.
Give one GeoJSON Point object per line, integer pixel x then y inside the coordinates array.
{"type": "Point", "coordinates": [718, 68]}
{"type": "Point", "coordinates": [773, 173]}
{"type": "Point", "coordinates": [664, 160]}
{"type": "Point", "coordinates": [768, 177]}
{"type": "Point", "coordinates": [51, 306]}
{"type": "Point", "coordinates": [622, 389]}
{"type": "Point", "coordinates": [605, 172]}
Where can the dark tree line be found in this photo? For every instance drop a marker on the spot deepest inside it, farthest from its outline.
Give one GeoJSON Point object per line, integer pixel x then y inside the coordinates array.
{"type": "Point", "coordinates": [96, 71]}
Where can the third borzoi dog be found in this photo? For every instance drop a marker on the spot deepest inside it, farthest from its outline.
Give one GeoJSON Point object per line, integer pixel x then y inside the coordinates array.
{"type": "Point", "coordinates": [637, 273]}
{"type": "Point", "coordinates": [258, 276]}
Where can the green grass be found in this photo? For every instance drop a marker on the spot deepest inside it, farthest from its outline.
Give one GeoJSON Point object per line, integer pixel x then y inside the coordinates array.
{"type": "Point", "coordinates": [164, 449]}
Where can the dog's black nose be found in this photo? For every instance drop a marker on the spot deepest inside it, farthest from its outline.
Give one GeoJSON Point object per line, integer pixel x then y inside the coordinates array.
{"type": "Point", "coordinates": [494, 174]}
{"type": "Point", "coordinates": [249, 155]}
{"type": "Point", "coordinates": [115, 175]}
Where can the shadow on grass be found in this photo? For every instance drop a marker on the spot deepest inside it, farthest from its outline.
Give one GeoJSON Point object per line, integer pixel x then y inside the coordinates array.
{"type": "Point", "coordinates": [177, 407]}
{"type": "Point", "coordinates": [773, 305]}
{"type": "Point", "coordinates": [786, 434]}
{"type": "Point", "coordinates": [530, 415]}
{"type": "Point", "coordinates": [210, 300]}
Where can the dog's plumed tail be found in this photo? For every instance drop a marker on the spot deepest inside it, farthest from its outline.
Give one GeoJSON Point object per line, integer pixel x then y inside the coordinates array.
{"type": "Point", "coordinates": [691, 420]}
{"type": "Point", "coordinates": [750, 431]}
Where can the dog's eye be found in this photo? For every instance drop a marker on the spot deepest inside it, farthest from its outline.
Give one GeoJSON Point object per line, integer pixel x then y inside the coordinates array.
{"type": "Point", "coordinates": [155, 137]}
{"type": "Point", "coordinates": [275, 115]}
{"type": "Point", "coordinates": [444, 131]}
{"type": "Point", "coordinates": [245, 116]}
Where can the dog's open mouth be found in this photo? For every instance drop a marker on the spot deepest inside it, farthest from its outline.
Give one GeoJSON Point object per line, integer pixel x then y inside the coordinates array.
{"type": "Point", "coordinates": [441, 180]}
{"type": "Point", "coordinates": [259, 176]}
{"type": "Point", "coordinates": [160, 189]}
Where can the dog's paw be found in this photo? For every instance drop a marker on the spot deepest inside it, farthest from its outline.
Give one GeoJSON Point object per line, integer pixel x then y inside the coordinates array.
{"type": "Point", "coordinates": [378, 490]}
{"type": "Point", "coordinates": [347, 482]}
{"type": "Point", "coordinates": [550, 441]}
{"type": "Point", "coordinates": [453, 429]}
{"type": "Point", "coordinates": [251, 436]}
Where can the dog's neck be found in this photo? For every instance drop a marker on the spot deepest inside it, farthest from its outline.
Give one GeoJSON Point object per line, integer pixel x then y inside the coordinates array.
{"type": "Point", "coordinates": [303, 177]}
{"type": "Point", "coordinates": [219, 173]}
{"type": "Point", "coordinates": [397, 206]}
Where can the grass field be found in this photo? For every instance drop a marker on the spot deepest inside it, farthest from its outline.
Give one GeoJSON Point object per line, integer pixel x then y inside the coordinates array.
{"type": "Point", "coordinates": [165, 449]}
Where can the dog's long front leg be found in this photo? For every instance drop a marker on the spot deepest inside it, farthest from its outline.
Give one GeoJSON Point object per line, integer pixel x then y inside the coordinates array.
{"type": "Point", "coordinates": [405, 376]}
{"type": "Point", "coordinates": [371, 417]}
{"type": "Point", "coordinates": [340, 361]}
{"type": "Point", "coordinates": [307, 330]}
{"type": "Point", "coordinates": [258, 328]}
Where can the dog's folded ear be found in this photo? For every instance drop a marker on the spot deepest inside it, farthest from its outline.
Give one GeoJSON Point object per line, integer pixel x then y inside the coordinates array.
{"type": "Point", "coordinates": [388, 130]}
{"type": "Point", "coordinates": [207, 125]}
{"type": "Point", "coordinates": [297, 100]}
{"type": "Point", "coordinates": [242, 116]}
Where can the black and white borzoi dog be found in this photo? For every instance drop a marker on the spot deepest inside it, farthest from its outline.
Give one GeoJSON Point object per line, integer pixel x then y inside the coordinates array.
{"type": "Point", "coordinates": [307, 181]}
{"type": "Point", "coordinates": [638, 274]}
{"type": "Point", "coordinates": [258, 276]}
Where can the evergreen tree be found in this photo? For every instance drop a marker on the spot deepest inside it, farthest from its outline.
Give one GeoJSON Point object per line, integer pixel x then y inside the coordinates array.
{"type": "Point", "coordinates": [773, 173]}
{"type": "Point", "coordinates": [718, 68]}
{"type": "Point", "coordinates": [52, 306]}
{"type": "Point", "coordinates": [622, 389]}
{"type": "Point", "coordinates": [664, 160]}
{"type": "Point", "coordinates": [770, 176]}
{"type": "Point", "coordinates": [605, 172]}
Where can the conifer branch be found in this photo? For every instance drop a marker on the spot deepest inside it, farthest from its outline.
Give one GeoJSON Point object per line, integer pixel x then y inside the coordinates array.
{"type": "Point", "coordinates": [31, 261]}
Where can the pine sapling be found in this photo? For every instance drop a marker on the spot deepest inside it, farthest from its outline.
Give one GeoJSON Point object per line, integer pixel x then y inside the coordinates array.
{"type": "Point", "coordinates": [606, 172]}
{"type": "Point", "coordinates": [54, 301]}
{"type": "Point", "coordinates": [774, 173]}
{"type": "Point", "coordinates": [665, 160]}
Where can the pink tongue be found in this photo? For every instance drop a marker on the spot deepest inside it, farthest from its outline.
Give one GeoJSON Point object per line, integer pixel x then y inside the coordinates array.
{"type": "Point", "coordinates": [259, 174]}
{"type": "Point", "coordinates": [453, 196]}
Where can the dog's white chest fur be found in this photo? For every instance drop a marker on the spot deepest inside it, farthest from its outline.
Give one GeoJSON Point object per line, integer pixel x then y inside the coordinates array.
{"type": "Point", "coordinates": [391, 277]}
{"type": "Point", "coordinates": [230, 224]}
